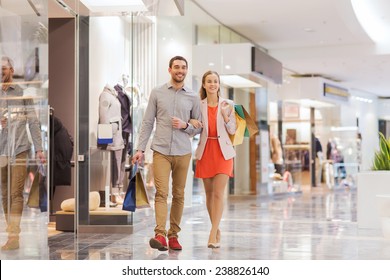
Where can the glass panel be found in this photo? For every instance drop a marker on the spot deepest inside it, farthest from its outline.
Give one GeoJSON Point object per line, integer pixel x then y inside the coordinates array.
{"type": "Point", "coordinates": [24, 134]}
{"type": "Point", "coordinates": [122, 71]}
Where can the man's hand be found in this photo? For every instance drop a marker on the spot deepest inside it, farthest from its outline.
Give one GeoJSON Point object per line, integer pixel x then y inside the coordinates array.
{"type": "Point", "coordinates": [41, 157]}
{"type": "Point", "coordinates": [138, 157]}
{"type": "Point", "coordinates": [178, 123]}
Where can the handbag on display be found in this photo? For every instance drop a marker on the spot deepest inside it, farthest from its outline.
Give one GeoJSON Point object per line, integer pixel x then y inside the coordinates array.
{"type": "Point", "coordinates": [136, 195]}
{"type": "Point", "coordinates": [104, 134]}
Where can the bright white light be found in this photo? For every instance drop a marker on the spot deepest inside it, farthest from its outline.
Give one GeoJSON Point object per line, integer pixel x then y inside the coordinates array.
{"type": "Point", "coordinates": [106, 3]}
{"type": "Point", "coordinates": [311, 103]}
{"type": "Point", "coordinates": [236, 81]}
{"type": "Point", "coordinates": [107, 6]}
{"type": "Point", "coordinates": [372, 16]}
{"type": "Point", "coordinates": [343, 128]}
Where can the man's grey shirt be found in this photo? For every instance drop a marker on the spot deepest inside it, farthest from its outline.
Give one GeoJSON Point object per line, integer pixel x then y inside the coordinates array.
{"type": "Point", "coordinates": [20, 112]}
{"type": "Point", "coordinates": [164, 103]}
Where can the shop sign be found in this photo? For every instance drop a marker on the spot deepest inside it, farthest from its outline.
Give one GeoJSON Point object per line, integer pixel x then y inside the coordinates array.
{"type": "Point", "coordinates": [336, 92]}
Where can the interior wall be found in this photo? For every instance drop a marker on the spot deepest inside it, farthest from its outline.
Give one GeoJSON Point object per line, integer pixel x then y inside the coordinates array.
{"type": "Point", "coordinates": [62, 70]}
{"type": "Point", "coordinates": [62, 85]}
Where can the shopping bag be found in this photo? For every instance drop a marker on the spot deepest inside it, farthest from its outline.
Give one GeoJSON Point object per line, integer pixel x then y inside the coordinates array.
{"type": "Point", "coordinates": [251, 127]}
{"type": "Point", "coordinates": [33, 196]}
{"type": "Point", "coordinates": [37, 197]}
{"type": "Point", "coordinates": [136, 195]}
{"type": "Point", "coordinates": [129, 200]}
{"type": "Point", "coordinates": [141, 196]}
{"type": "Point", "coordinates": [238, 137]}
{"type": "Point", "coordinates": [246, 127]}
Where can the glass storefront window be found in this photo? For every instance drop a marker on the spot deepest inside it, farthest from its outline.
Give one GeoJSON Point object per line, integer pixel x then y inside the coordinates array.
{"type": "Point", "coordinates": [25, 129]}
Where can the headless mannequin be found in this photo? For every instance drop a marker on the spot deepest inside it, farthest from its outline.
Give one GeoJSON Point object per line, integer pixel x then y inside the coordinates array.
{"type": "Point", "coordinates": [124, 99]}
{"type": "Point", "coordinates": [110, 112]}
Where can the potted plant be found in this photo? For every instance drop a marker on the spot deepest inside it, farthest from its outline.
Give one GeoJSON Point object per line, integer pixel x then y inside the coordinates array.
{"type": "Point", "coordinates": [371, 184]}
{"type": "Point", "coordinates": [382, 157]}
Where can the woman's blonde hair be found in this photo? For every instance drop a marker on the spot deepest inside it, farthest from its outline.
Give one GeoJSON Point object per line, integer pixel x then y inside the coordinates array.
{"type": "Point", "coordinates": [202, 91]}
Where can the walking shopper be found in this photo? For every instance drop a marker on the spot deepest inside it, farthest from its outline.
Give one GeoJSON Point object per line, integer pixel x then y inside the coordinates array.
{"type": "Point", "coordinates": [215, 151]}
{"type": "Point", "coordinates": [14, 144]}
{"type": "Point", "coordinates": [170, 106]}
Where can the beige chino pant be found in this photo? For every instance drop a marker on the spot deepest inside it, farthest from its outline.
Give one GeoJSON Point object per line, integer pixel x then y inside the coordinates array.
{"type": "Point", "coordinates": [163, 166]}
{"type": "Point", "coordinates": [13, 200]}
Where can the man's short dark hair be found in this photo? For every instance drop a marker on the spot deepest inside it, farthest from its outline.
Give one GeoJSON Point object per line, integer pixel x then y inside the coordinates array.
{"type": "Point", "coordinates": [178, 57]}
{"type": "Point", "coordinates": [8, 60]}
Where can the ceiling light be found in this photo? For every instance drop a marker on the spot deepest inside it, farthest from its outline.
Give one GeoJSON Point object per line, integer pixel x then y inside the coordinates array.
{"type": "Point", "coordinates": [308, 29]}
{"type": "Point", "coordinates": [311, 103]}
{"type": "Point", "coordinates": [344, 128]}
{"type": "Point", "coordinates": [115, 5]}
{"type": "Point", "coordinates": [236, 81]}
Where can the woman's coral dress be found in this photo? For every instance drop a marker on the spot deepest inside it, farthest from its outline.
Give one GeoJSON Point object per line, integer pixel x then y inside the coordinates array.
{"type": "Point", "coordinates": [213, 162]}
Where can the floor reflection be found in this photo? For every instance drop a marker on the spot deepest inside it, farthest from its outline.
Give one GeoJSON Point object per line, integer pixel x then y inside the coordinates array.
{"type": "Point", "coordinates": [316, 224]}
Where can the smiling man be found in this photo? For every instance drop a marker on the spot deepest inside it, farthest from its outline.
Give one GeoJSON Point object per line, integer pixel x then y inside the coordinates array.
{"type": "Point", "coordinates": [170, 106]}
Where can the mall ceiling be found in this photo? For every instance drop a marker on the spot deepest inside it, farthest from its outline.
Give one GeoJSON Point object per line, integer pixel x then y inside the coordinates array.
{"type": "Point", "coordinates": [310, 37]}
{"type": "Point", "coordinates": [314, 37]}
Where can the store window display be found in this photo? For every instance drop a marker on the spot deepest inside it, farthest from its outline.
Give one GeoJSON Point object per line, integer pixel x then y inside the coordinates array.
{"type": "Point", "coordinates": [118, 174]}
{"type": "Point", "coordinates": [110, 113]}
{"type": "Point", "coordinates": [335, 155]}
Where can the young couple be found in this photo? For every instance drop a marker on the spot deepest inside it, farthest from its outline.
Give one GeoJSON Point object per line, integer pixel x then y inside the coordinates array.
{"type": "Point", "coordinates": [180, 114]}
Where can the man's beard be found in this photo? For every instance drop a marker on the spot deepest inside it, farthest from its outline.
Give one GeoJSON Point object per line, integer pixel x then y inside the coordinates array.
{"type": "Point", "coordinates": [177, 80]}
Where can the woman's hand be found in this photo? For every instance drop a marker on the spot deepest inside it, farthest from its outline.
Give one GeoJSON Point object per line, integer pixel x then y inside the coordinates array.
{"type": "Point", "coordinates": [226, 110]}
{"type": "Point", "coordinates": [195, 123]}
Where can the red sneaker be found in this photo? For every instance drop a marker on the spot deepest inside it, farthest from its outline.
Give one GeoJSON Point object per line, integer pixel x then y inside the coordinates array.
{"type": "Point", "coordinates": [158, 242]}
{"type": "Point", "coordinates": [174, 244]}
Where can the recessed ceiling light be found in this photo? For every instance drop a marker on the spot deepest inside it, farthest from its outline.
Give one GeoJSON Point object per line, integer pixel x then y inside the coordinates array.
{"type": "Point", "coordinates": [308, 29]}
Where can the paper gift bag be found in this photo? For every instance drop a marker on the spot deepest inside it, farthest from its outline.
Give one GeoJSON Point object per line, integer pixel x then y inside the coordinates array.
{"type": "Point", "coordinates": [129, 201]}
{"type": "Point", "coordinates": [141, 196]}
{"type": "Point", "coordinates": [37, 197]}
{"type": "Point", "coordinates": [251, 127]}
{"type": "Point", "coordinates": [136, 195]}
{"type": "Point", "coordinates": [246, 127]}
{"type": "Point", "coordinates": [238, 137]}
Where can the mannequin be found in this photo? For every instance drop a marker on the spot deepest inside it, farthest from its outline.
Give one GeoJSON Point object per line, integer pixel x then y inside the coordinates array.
{"type": "Point", "coordinates": [124, 99]}
{"type": "Point", "coordinates": [110, 113]}
{"type": "Point", "coordinates": [277, 154]}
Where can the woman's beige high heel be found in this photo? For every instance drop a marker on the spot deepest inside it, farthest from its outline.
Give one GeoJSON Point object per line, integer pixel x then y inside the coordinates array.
{"type": "Point", "coordinates": [213, 245]}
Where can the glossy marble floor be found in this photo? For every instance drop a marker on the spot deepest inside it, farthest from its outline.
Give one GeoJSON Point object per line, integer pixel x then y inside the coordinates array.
{"type": "Point", "coordinates": [316, 224]}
